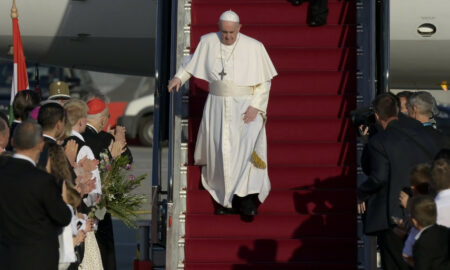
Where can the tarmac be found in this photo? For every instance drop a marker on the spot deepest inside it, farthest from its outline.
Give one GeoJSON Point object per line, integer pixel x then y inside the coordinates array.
{"type": "Point", "coordinates": [126, 239]}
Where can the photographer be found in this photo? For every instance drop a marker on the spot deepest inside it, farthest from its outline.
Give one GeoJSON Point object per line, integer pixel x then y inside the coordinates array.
{"type": "Point", "coordinates": [365, 120]}
{"type": "Point", "coordinates": [392, 152]}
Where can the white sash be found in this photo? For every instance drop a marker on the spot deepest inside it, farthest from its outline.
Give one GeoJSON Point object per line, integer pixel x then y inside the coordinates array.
{"type": "Point", "coordinates": [229, 89]}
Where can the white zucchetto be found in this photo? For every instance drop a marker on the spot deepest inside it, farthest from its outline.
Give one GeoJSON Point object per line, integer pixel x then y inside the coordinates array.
{"type": "Point", "coordinates": [230, 16]}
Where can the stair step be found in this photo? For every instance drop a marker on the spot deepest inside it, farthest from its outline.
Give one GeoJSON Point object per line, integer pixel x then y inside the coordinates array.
{"type": "Point", "coordinates": [294, 177]}
{"type": "Point", "coordinates": [298, 83]}
{"type": "Point", "coordinates": [297, 129]}
{"type": "Point", "coordinates": [271, 266]}
{"type": "Point", "coordinates": [313, 59]}
{"type": "Point", "coordinates": [269, 12]}
{"type": "Point", "coordinates": [311, 106]}
{"type": "Point", "coordinates": [336, 106]}
{"type": "Point", "coordinates": [308, 221]}
{"type": "Point", "coordinates": [314, 82]}
{"type": "Point", "coordinates": [304, 153]}
{"type": "Point", "coordinates": [312, 153]}
{"type": "Point", "coordinates": [315, 201]}
{"type": "Point", "coordinates": [291, 35]}
{"type": "Point", "coordinates": [282, 226]}
{"type": "Point", "coordinates": [211, 250]}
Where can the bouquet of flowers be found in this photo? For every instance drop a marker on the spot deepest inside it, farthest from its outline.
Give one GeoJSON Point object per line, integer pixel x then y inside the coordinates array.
{"type": "Point", "coordinates": [117, 184]}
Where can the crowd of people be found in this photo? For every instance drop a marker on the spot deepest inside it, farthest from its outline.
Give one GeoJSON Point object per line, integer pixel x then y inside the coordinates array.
{"type": "Point", "coordinates": [405, 200]}
{"type": "Point", "coordinates": [51, 181]}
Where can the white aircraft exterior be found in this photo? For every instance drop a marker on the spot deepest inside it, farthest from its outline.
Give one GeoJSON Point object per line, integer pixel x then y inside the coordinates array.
{"type": "Point", "coordinates": [102, 35]}
{"type": "Point", "coordinates": [420, 44]}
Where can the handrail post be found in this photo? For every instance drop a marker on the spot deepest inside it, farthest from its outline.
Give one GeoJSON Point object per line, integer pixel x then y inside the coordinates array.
{"type": "Point", "coordinates": [160, 115]}
{"type": "Point", "coordinates": [383, 45]}
{"type": "Point", "coordinates": [177, 156]}
{"type": "Point", "coordinates": [367, 70]}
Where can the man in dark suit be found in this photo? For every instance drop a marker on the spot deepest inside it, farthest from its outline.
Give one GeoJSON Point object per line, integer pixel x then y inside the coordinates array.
{"type": "Point", "coordinates": [97, 119]}
{"type": "Point", "coordinates": [51, 119]}
{"type": "Point", "coordinates": [431, 249]}
{"type": "Point", "coordinates": [32, 211]}
{"type": "Point", "coordinates": [392, 153]}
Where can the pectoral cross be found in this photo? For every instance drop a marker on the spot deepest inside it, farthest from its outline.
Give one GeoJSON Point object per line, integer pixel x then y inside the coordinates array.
{"type": "Point", "coordinates": [222, 74]}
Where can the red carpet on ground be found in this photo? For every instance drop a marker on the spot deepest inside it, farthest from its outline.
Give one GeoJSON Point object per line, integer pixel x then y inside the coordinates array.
{"type": "Point", "coordinates": [309, 219]}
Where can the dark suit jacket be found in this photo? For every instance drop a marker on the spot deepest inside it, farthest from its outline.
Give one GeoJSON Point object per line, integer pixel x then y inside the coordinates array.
{"type": "Point", "coordinates": [392, 155]}
{"type": "Point", "coordinates": [99, 142]}
{"type": "Point", "coordinates": [95, 142]}
{"type": "Point", "coordinates": [441, 139]}
{"type": "Point", "coordinates": [104, 234]}
{"type": "Point", "coordinates": [431, 250]}
{"type": "Point", "coordinates": [42, 162]}
{"type": "Point", "coordinates": [108, 138]}
{"type": "Point", "coordinates": [405, 121]}
{"type": "Point", "coordinates": [11, 133]}
{"type": "Point", "coordinates": [32, 213]}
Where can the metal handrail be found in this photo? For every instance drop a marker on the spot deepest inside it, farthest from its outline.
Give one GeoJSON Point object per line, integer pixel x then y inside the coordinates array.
{"type": "Point", "coordinates": [383, 45]}
{"type": "Point", "coordinates": [173, 59]}
{"type": "Point", "coordinates": [373, 41]}
{"type": "Point", "coordinates": [160, 115]}
{"type": "Point", "coordinates": [156, 154]}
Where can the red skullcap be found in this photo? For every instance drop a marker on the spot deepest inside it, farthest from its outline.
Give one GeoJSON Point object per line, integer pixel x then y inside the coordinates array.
{"type": "Point", "coordinates": [96, 106]}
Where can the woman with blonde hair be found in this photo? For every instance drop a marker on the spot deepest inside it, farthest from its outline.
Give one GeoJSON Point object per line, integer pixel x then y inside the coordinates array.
{"type": "Point", "coordinates": [80, 225]}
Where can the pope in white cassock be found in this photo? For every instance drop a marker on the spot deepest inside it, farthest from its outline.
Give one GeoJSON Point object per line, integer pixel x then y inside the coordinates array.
{"type": "Point", "coordinates": [231, 143]}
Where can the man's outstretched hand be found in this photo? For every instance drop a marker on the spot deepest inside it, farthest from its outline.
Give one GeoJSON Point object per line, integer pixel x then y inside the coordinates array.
{"type": "Point", "coordinates": [250, 114]}
{"type": "Point", "coordinates": [174, 83]}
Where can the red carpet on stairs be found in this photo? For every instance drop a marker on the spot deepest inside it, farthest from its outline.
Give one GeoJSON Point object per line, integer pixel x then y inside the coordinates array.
{"type": "Point", "coordinates": [309, 219]}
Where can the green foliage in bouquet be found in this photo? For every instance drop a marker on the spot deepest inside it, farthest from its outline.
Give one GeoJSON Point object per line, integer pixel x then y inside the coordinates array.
{"type": "Point", "coordinates": [117, 185]}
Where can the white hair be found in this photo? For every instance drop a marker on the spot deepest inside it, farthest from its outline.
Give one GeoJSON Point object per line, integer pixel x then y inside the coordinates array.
{"type": "Point", "coordinates": [98, 115]}
{"type": "Point", "coordinates": [424, 102]}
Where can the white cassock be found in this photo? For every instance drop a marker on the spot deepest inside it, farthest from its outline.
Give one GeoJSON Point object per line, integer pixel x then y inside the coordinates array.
{"type": "Point", "coordinates": [233, 154]}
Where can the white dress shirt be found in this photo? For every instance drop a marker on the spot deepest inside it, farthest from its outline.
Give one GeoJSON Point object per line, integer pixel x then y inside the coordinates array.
{"type": "Point", "coordinates": [96, 131]}
{"type": "Point", "coordinates": [86, 151]}
{"type": "Point", "coordinates": [20, 156]}
{"type": "Point", "coordinates": [50, 137]}
{"type": "Point", "coordinates": [421, 231]}
{"type": "Point", "coordinates": [442, 201]}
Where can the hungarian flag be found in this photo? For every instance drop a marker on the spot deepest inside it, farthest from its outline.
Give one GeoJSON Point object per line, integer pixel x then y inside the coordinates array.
{"type": "Point", "coordinates": [20, 76]}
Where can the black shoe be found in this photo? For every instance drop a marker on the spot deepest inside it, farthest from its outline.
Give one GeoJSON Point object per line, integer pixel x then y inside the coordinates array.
{"type": "Point", "coordinates": [315, 23]}
{"type": "Point", "coordinates": [247, 206]}
{"type": "Point", "coordinates": [297, 2]}
{"type": "Point", "coordinates": [249, 211]}
{"type": "Point", "coordinates": [224, 211]}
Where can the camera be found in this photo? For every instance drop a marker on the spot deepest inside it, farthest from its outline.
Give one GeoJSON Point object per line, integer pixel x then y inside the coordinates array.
{"type": "Point", "coordinates": [364, 117]}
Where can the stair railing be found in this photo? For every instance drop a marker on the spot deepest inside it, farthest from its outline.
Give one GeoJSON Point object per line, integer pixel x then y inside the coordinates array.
{"type": "Point", "coordinates": [177, 169]}
{"type": "Point", "coordinates": [373, 41]}
{"type": "Point", "coordinates": [383, 45]}
{"type": "Point", "coordinates": [161, 127]}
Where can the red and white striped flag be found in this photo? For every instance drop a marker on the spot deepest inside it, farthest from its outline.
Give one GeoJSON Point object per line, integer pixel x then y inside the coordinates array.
{"type": "Point", "coordinates": [20, 76]}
